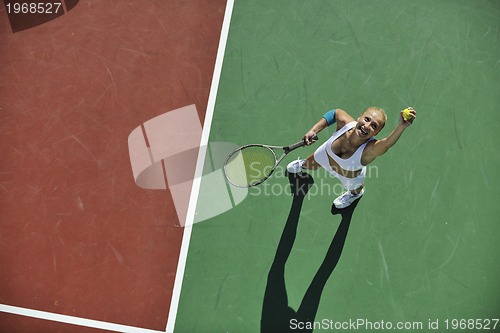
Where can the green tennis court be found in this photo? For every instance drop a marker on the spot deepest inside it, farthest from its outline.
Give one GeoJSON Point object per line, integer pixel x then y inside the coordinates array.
{"type": "Point", "coordinates": [422, 243]}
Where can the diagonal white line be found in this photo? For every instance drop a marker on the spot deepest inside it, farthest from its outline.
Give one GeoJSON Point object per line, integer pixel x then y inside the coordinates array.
{"type": "Point", "coordinates": [172, 316]}
{"type": "Point", "coordinates": [73, 320]}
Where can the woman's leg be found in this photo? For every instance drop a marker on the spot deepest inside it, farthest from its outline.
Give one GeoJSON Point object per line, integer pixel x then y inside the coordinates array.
{"type": "Point", "coordinates": [354, 190]}
{"type": "Point", "coordinates": [310, 163]}
{"type": "Point", "coordinates": [358, 190]}
{"type": "Point", "coordinates": [301, 165]}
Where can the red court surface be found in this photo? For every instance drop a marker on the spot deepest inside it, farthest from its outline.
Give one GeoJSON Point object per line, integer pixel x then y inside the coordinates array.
{"type": "Point", "coordinates": [78, 237]}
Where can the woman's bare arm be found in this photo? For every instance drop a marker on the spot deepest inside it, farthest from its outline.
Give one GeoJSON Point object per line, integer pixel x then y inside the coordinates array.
{"type": "Point", "coordinates": [381, 146]}
{"type": "Point", "coordinates": [341, 118]}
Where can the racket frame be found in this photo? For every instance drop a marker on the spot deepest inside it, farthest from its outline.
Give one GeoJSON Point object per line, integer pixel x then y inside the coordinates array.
{"type": "Point", "coordinates": [286, 150]}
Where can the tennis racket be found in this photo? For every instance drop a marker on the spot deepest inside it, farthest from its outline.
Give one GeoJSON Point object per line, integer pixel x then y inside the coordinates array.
{"type": "Point", "coordinates": [250, 165]}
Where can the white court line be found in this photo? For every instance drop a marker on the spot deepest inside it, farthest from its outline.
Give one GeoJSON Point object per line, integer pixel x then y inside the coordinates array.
{"type": "Point", "coordinates": [193, 200]}
{"type": "Point", "coordinates": [189, 219]}
{"type": "Point", "coordinates": [74, 320]}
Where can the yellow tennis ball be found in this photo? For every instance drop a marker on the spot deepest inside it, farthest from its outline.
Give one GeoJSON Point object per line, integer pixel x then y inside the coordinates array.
{"type": "Point", "coordinates": [406, 114]}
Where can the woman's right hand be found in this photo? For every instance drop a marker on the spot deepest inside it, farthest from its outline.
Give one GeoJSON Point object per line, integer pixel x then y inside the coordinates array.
{"type": "Point", "coordinates": [309, 137]}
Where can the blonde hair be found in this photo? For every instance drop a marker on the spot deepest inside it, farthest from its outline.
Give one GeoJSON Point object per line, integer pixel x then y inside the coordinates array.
{"type": "Point", "coordinates": [380, 111]}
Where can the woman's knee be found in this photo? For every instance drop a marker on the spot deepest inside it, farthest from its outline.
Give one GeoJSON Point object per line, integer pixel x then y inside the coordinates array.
{"type": "Point", "coordinates": [311, 163]}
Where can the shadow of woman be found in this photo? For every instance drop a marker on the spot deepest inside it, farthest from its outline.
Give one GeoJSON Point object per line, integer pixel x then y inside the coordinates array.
{"type": "Point", "coordinates": [277, 315]}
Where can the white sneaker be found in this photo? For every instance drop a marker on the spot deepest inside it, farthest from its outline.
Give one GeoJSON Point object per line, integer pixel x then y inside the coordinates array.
{"type": "Point", "coordinates": [347, 198]}
{"type": "Point", "coordinates": [295, 166]}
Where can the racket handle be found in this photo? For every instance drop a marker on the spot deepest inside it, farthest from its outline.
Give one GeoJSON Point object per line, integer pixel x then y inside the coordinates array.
{"type": "Point", "coordinates": [298, 144]}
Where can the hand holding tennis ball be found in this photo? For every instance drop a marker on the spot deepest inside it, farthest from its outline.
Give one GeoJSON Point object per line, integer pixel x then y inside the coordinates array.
{"type": "Point", "coordinates": [409, 114]}
{"type": "Point", "coordinates": [406, 114]}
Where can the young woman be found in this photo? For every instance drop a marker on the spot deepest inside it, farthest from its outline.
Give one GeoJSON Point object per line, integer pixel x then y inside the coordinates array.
{"type": "Point", "coordinates": [351, 148]}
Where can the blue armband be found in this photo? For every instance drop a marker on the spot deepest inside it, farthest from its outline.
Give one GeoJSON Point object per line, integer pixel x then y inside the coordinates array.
{"type": "Point", "coordinates": [330, 117]}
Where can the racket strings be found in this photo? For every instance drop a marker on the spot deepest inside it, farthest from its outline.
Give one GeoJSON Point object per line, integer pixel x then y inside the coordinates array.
{"type": "Point", "coordinates": [250, 165]}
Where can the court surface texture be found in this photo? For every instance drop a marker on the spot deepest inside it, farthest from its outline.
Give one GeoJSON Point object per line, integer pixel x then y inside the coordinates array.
{"type": "Point", "coordinates": [89, 244]}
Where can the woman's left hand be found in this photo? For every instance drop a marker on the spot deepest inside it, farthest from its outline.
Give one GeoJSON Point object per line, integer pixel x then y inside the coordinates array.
{"type": "Point", "coordinates": [403, 121]}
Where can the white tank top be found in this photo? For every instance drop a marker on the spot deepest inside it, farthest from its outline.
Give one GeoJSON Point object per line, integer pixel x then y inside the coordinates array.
{"type": "Point", "coordinates": [352, 163]}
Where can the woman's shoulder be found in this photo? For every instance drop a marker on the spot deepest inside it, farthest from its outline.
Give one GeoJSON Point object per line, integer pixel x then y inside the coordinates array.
{"type": "Point", "coordinates": [343, 118]}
